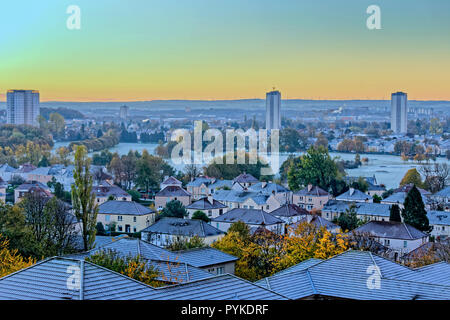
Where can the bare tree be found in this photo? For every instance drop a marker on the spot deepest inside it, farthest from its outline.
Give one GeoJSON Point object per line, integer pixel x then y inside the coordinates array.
{"type": "Point", "coordinates": [436, 176]}
{"type": "Point", "coordinates": [63, 231]}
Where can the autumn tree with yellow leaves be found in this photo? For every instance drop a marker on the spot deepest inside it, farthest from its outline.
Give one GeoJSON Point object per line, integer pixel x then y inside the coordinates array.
{"type": "Point", "coordinates": [10, 260]}
{"type": "Point", "coordinates": [265, 253]}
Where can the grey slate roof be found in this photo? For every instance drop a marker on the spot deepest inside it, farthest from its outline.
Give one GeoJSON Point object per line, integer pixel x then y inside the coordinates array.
{"type": "Point", "coordinates": [173, 191]}
{"type": "Point", "coordinates": [267, 188]}
{"type": "Point", "coordinates": [240, 196]}
{"type": "Point", "coordinates": [124, 208]}
{"type": "Point", "coordinates": [316, 220]}
{"type": "Point", "coordinates": [345, 276]}
{"type": "Point", "coordinates": [399, 198]}
{"type": "Point", "coordinates": [248, 216]}
{"type": "Point", "coordinates": [301, 266]}
{"type": "Point", "coordinates": [220, 184]}
{"type": "Point", "coordinates": [105, 189]}
{"type": "Point", "coordinates": [438, 273]}
{"type": "Point", "coordinates": [223, 287]}
{"type": "Point", "coordinates": [185, 227]}
{"type": "Point", "coordinates": [289, 210]}
{"type": "Point", "coordinates": [197, 182]}
{"type": "Point", "coordinates": [245, 178]}
{"type": "Point", "coordinates": [315, 192]}
{"type": "Point", "coordinates": [199, 257]}
{"type": "Point", "coordinates": [48, 280]}
{"type": "Point", "coordinates": [362, 208]}
{"type": "Point", "coordinates": [444, 193]}
{"type": "Point", "coordinates": [439, 217]}
{"type": "Point", "coordinates": [353, 195]}
{"type": "Point", "coordinates": [172, 180]}
{"type": "Point", "coordinates": [202, 257]}
{"type": "Point", "coordinates": [204, 204]}
{"type": "Point", "coordinates": [171, 267]}
{"type": "Point", "coordinates": [390, 229]}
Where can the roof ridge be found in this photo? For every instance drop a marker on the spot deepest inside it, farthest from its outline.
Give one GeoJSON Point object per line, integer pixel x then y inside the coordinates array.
{"type": "Point", "coordinates": [82, 279]}
{"type": "Point", "coordinates": [407, 230]}
{"type": "Point", "coordinates": [311, 281]}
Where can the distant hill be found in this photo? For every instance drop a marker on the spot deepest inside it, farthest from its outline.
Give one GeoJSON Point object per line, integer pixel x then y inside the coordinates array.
{"type": "Point", "coordinates": [67, 113]}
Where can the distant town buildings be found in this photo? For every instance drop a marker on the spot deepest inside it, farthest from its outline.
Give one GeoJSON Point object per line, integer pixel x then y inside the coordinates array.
{"type": "Point", "coordinates": [399, 112]}
{"type": "Point", "coordinates": [22, 107]}
{"type": "Point", "coordinates": [123, 114]}
{"type": "Point", "coordinates": [273, 105]}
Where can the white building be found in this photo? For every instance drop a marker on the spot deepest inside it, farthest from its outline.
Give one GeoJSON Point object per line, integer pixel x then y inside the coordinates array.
{"type": "Point", "coordinates": [22, 107]}
{"type": "Point", "coordinates": [123, 114]}
{"type": "Point", "coordinates": [400, 237]}
{"type": "Point", "coordinates": [273, 105]}
{"type": "Point", "coordinates": [399, 112]}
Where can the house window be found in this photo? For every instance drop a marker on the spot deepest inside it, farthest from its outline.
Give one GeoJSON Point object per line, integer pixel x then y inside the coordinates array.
{"type": "Point", "coordinates": [220, 270]}
{"type": "Point", "coordinates": [134, 229]}
{"type": "Point", "coordinates": [119, 228]}
{"type": "Point", "coordinates": [252, 207]}
{"type": "Point", "coordinates": [134, 219]}
{"type": "Point", "coordinates": [107, 217]}
{"type": "Point", "coordinates": [119, 218]}
{"type": "Point", "coordinates": [220, 211]}
{"type": "Point", "coordinates": [386, 242]}
{"type": "Point", "coordinates": [405, 244]}
{"type": "Point", "coordinates": [267, 207]}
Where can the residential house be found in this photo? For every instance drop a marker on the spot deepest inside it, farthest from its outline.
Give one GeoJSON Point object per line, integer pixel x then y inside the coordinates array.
{"type": "Point", "coordinates": [169, 230]}
{"type": "Point", "coordinates": [440, 221]}
{"type": "Point", "coordinates": [7, 172]}
{"type": "Point", "coordinates": [207, 259]}
{"type": "Point", "coordinates": [170, 193]}
{"type": "Point", "coordinates": [212, 208]}
{"type": "Point", "coordinates": [171, 181]}
{"type": "Point", "coordinates": [397, 236]}
{"type": "Point", "coordinates": [290, 213]}
{"type": "Point", "coordinates": [30, 187]}
{"type": "Point", "coordinates": [364, 211]}
{"type": "Point", "coordinates": [373, 188]}
{"type": "Point", "coordinates": [106, 191]}
{"type": "Point", "coordinates": [128, 216]}
{"type": "Point", "coordinates": [266, 196]}
{"type": "Point", "coordinates": [311, 197]}
{"type": "Point", "coordinates": [354, 195]}
{"type": "Point", "coordinates": [23, 170]}
{"type": "Point", "coordinates": [254, 218]}
{"type": "Point", "coordinates": [442, 198]}
{"type": "Point", "coordinates": [246, 180]}
{"type": "Point", "coordinates": [199, 187]}
{"type": "Point", "coordinates": [399, 196]}
{"type": "Point", "coordinates": [317, 221]}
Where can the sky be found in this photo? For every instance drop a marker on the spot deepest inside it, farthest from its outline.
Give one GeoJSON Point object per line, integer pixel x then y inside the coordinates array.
{"type": "Point", "coordinates": [138, 50]}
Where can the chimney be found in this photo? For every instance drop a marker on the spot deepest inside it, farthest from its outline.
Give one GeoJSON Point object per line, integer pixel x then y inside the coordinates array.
{"type": "Point", "coordinates": [352, 191]}
{"type": "Point", "coordinates": [263, 184]}
{"type": "Point", "coordinates": [310, 187]}
{"type": "Point", "coordinates": [210, 199]}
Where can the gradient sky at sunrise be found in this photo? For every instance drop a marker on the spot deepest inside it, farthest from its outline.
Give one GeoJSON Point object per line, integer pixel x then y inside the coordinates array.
{"type": "Point", "coordinates": [225, 49]}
